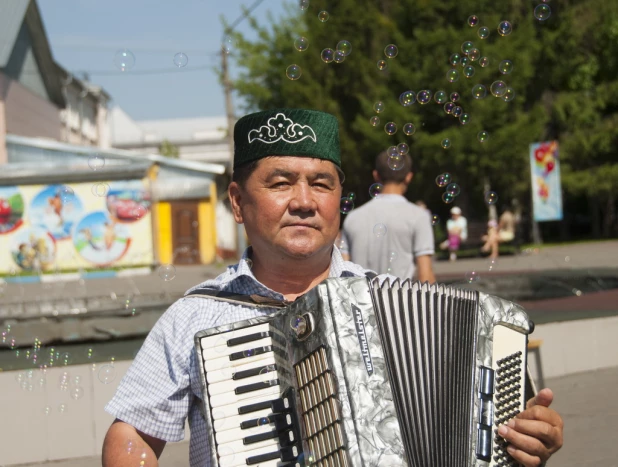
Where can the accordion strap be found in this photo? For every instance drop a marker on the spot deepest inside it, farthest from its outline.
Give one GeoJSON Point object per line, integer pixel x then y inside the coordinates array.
{"type": "Point", "coordinates": [239, 299]}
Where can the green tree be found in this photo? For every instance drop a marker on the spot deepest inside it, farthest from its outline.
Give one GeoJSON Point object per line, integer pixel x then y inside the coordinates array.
{"type": "Point", "coordinates": [167, 149]}
{"type": "Point", "coordinates": [554, 69]}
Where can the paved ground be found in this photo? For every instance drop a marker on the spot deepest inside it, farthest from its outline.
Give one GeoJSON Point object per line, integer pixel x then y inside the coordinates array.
{"type": "Point", "coordinates": [587, 402]}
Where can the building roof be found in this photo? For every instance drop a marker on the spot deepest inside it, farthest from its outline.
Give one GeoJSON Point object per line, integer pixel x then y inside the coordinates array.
{"type": "Point", "coordinates": [115, 154]}
{"type": "Point", "coordinates": [13, 14]}
{"type": "Point", "coordinates": [178, 131]}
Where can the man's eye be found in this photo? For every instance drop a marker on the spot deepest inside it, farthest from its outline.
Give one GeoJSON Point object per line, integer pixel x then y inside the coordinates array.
{"type": "Point", "coordinates": [279, 184]}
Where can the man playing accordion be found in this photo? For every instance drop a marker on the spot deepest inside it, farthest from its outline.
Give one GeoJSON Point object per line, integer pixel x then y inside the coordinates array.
{"type": "Point", "coordinates": [286, 190]}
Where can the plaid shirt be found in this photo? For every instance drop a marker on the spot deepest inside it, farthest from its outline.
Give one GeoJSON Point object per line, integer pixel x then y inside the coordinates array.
{"type": "Point", "coordinates": [162, 387]}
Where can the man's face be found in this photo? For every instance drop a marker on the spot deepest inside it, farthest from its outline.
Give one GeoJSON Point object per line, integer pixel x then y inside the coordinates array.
{"type": "Point", "coordinates": [290, 206]}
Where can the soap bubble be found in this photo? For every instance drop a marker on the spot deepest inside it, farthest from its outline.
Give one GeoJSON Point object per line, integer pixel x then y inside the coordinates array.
{"type": "Point", "coordinates": [473, 20]}
{"type": "Point", "coordinates": [77, 392]}
{"type": "Point", "coordinates": [96, 162]}
{"type": "Point", "coordinates": [446, 143]}
{"type": "Point", "coordinates": [464, 118]}
{"type": "Point", "coordinates": [448, 107]}
{"type": "Point", "coordinates": [479, 91]}
{"type": "Point", "coordinates": [62, 408]}
{"type": "Point", "coordinates": [124, 60]}
{"type": "Point", "coordinates": [403, 149]}
{"type": "Point", "coordinates": [468, 71]}
{"type": "Point", "coordinates": [409, 129]}
{"type": "Point", "coordinates": [474, 54]}
{"type": "Point", "coordinates": [407, 98]}
{"type": "Point", "coordinates": [374, 121]}
{"type": "Point", "coordinates": [181, 60]}
{"type": "Point", "coordinates": [344, 47]}
{"type": "Point", "coordinates": [293, 72]}
{"type": "Point", "coordinates": [455, 96]}
{"type": "Point", "coordinates": [435, 219]}
{"type": "Point", "coordinates": [346, 205]}
{"type": "Point", "coordinates": [482, 136]}
{"type": "Point", "coordinates": [390, 128]}
{"type": "Point", "coordinates": [301, 44]}
{"type": "Point", "coordinates": [483, 32]}
{"type": "Point", "coordinates": [472, 276]}
{"type": "Point", "coordinates": [392, 151]}
{"type": "Point", "coordinates": [391, 50]}
{"type": "Point", "coordinates": [484, 61]}
{"type": "Point", "coordinates": [100, 189]}
{"type": "Point", "coordinates": [323, 16]}
{"type": "Point", "coordinates": [382, 65]}
{"type": "Point", "coordinates": [491, 197]}
{"type": "Point", "coordinates": [452, 75]}
{"type": "Point", "coordinates": [395, 162]}
{"type": "Point", "coordinates": [328, 55]}
{"type": "Point", "coordinates": [66, 194]}
{"type": "Point", "coordinates": [454, 59]}
{"type": "Point", "coordinates": [378, 107]}
{"type": "Point", "coordinates": [466, 47]}
{"type": "Point", "coordinates": [505, 67]}
{"type": "Point", "coordinates": [107, 373]}
{"type": "Point", "coordinates": [453, 189]}
{"type": "Point", "coordinates": [498, 88]}
{"type": "Point", "coordinates": [375, 189]}
{"type": "Point", "coordinates": [379, 230]}
{"type": "Point", "coordinates": [424, 97]}
{"type": "Point", "coordinates": [304, 4]}
{"type": "Point", "coordinates": [457, 111]}
{"type": "Point", "coordinates": [542, 12]}
{"type": "Point", "coordinates": [505, 28]}
{"type": "Point", "coordinates": [167, 272]}
{"type": "Point", "coordinates": [464, 61]}
{"type": "Point", "coordinates": [448, 197]}
{"type": "Point", "coordinates": [509, 95]}
{"type": "Point", "coordinates": [339, 57]}
{"type": "Point", "coordinates": [440, 97]}
{"type": "Point", "coordinates": [443, 180]}
{"type": "Point", "coordinates": [352, 196]}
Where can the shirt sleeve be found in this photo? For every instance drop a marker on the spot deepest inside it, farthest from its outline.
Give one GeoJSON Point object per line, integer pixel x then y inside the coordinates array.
{"type": "Point", "coordinates": [154, 395]}
{"type": "Point", "coordinates": [423, 237]}
{"type": "Point", "coordinates": [464, 229]}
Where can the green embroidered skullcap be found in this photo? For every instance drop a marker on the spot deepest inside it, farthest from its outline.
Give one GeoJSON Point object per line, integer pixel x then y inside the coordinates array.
{"type": "Point", "coordinates": [286, 132]}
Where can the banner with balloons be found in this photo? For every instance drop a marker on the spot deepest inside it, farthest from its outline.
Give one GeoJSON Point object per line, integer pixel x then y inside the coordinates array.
{"type": "Point", "coordinates": [546, 184]}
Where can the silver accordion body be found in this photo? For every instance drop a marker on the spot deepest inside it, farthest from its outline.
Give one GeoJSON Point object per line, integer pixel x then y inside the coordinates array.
{"type": "Point", "coordinates": [362, 373]}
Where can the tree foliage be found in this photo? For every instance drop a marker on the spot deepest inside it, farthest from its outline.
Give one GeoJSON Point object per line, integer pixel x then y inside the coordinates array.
{"type": "Point", "coordinates": [565, 80]}
{"type": "Point", "coordinates": [168, 149]}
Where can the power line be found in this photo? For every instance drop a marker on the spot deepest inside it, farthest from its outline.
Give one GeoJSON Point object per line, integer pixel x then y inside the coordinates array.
{"type": "Point", "coordinates": [246, 13]}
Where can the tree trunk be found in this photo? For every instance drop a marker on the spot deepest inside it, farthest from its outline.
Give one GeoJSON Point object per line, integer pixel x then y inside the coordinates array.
{"type": "Point", "coordinates": [610, 215]}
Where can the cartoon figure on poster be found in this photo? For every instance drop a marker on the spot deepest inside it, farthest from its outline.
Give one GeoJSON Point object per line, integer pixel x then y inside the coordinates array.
{"type": "Point", "coordinates": [34, 249]}
{"type": "Point", "coordinates": [546, 190]}
{"type": "Point", "coordinates": [100, 239]}
{"type": "Point", "coordinates": [128, 201]}
{"type": "Point", "coordinates": [56, 208]}
{"type": "Point", "coordinates": [11, 209]}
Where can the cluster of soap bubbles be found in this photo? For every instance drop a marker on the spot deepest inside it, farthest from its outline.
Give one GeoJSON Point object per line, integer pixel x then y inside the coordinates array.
{"type": "Point", "coordinates": [347, 203]}
{"type": "Point", "coordinates": [390, 51]}
{"type": "Point", "coordinates": [124, 59]}
{"type": "Point", "coordinates": [337, 55]}
{"type": "Point", "coordinates": [452, 189]}
{"type": "Point", "coordinates": [396, 159]}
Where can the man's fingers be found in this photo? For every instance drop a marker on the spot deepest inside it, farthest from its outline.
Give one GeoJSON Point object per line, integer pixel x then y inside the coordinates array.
{"type": "Point", "coordinates": [529, 445]}
{"type": "Point", "coordinates": [524, 458]}
{"type": "Point", "coordinates": [545, 397]}
{"type": "Point", "coordinates": [547, 433]}
{"type": "Point", "coordinates": [542, 414]}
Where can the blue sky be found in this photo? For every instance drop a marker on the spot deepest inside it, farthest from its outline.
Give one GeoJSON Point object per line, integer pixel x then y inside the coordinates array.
{"type": "Point", "coordinates": [85, 35]}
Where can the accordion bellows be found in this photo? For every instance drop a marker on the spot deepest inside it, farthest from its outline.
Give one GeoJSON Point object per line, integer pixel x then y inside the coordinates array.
{"type": "Point", "coordinates": [360, 372]}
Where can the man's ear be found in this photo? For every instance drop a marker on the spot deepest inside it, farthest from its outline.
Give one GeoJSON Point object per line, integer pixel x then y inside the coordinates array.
{"type": "Point", "coordinates": [235, 193]}
{"type": "Point", "coordinates": [408, 178]}
{"type": "Point", "coordinates": [376, 177]}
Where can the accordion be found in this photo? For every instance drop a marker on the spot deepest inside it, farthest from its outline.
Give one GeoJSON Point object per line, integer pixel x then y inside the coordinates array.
{"type": "Point", "coordinates": [363, 372]}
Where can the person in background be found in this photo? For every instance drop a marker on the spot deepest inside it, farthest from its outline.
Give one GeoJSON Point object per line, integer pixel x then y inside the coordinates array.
{"type": "Point", "coordinates": [504, 233]}
{"type": "Point", "coordinates": [457, 230]}
{"type": "Point", "coordinates": [389, 234]}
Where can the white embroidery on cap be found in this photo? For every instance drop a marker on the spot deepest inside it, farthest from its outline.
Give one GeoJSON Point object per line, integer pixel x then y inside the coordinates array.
{"type": "Point", "coordinates": [283, 128]}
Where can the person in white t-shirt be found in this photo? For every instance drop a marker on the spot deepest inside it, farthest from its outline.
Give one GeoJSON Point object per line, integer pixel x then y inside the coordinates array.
{"type": "Point", "coordinates": [457, 230]}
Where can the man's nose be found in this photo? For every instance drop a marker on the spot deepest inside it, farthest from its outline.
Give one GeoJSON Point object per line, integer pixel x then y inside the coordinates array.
{"type": "Point", "coordinates": [302, 199]}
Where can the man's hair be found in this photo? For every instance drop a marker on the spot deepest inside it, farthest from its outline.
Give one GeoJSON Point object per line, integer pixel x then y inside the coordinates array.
{"type": "Point", "coordinates": [241, 174]}
{"type": "Point", "coordinates": [388, 175]}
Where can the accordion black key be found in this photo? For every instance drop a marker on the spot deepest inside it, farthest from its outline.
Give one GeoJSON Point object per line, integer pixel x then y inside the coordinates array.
{"type": "Point", "coordinates": [360, 372]}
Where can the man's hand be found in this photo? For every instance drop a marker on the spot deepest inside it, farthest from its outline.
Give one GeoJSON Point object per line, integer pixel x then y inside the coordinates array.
{"type": "Point", "coordinates": [536, 433]}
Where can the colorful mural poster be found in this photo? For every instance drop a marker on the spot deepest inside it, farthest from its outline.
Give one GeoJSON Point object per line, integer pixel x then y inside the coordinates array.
{"type": "Point", "coordinates": [11, 209]}
{"type": "Point", "coordinates": [75, 226]}
{"type": "Point", "coordinates": [546, 183]}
